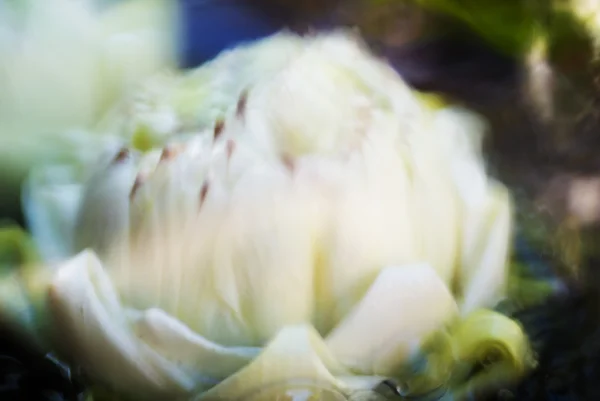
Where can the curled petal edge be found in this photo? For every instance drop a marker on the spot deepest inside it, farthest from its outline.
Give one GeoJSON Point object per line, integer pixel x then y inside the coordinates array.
{"type": "Point", "coordinates": [156, 356]}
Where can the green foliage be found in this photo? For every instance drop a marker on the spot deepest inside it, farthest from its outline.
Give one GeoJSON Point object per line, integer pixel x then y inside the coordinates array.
{"type": "Point", "coordinates": [16, 247]}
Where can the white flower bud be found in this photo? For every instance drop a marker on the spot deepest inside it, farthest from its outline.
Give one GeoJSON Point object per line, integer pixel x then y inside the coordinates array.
{"type": "Point", "coordinates": [279, 243]}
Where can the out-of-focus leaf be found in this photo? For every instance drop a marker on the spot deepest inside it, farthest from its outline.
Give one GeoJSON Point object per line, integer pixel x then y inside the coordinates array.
{"type": "Point", "coordinates": [18, 256]}
{"type": "Point", "coordinates": [16, 248]}
{"type": "Point", "coordinates": [508, 24]}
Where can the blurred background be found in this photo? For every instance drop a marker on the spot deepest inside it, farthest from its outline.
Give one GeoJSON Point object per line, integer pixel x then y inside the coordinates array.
{"type": "Point", "coordinates": [530, 68]}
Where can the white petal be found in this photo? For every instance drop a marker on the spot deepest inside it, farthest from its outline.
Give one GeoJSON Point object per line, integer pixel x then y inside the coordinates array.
{"type": "Point", "coordinates": [487, 242]}
{"type": "Point", "coordinates": [162, 245]}
{"type": "Point", "coordinates": [487, 212]}
{"type": "Point", "coordinates": [92, 329]}
{"type": "Point", "coordinates": [103, 214]}
{"type": "Point", "coordinates": [296, 357]}
{"type": "Point", "coordinates": [51, 199]}
{"type": "Point", "coordinates": [402, 306]}
{"type": "Point", "coordinates": [372, 226]}
{"type": "Point", "coordinates": [436, 214]}
{"type": "Point", "coordinates": [204, 360]}
{"type": "Point", "coordinates": [267, 237]}
{"type": "Point", "coordinates": [460, 134]}
{"type": "Point", "coordinates": [311, 106]}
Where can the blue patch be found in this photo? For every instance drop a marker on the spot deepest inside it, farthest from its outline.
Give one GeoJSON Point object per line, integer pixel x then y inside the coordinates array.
{"type": "Point", "coordinates": [210, 26]}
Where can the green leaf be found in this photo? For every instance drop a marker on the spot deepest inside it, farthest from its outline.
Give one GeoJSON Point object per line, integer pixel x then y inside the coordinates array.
{"type": "Point", "coordinates": [16, 247]}
{"type": "Point", "coordinates": [508, 25]}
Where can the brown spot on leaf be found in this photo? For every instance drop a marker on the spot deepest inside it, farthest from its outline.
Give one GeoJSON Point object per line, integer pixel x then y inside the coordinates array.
{"type": "Point", "coordinates": [288, 162]}
{"type": "Point", "coordinates": [139, 180]}
{"type": "Point", "coordinates": [167, 154]}
{"type": "Point", "coordinates": [218, 130]}
{"type": "Point", "coordinates": [230, 147]}
{"type": "Point", "coordinates": [204, 192]}
{"type": "Point", "coordinates": [240, 110]}
{"type": "Point", "coordinates": [122, 155]}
